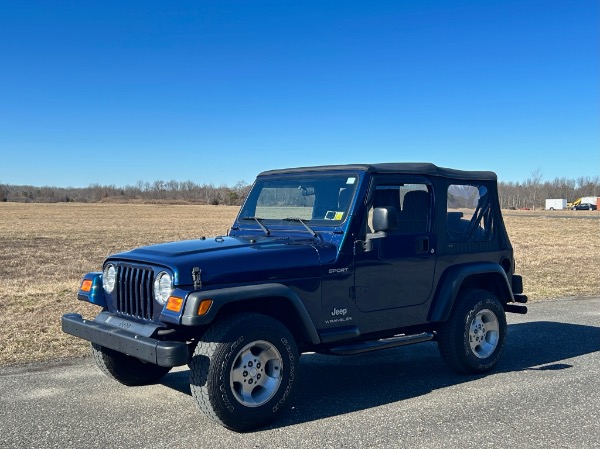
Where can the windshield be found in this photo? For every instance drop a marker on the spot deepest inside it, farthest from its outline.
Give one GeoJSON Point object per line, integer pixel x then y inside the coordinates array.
{"type": "Point", "coordinates": [321, 199]}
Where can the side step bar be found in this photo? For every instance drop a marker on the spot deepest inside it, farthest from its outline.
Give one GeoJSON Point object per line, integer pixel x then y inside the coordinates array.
{"type": "Point", "coordinates": [376, 345]}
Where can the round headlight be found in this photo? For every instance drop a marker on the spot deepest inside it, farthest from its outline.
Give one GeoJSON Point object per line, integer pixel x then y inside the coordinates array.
{"type": "Point", "coordinates": [163, 286]}
{"type": "Point", "coordinates": [109, 275]}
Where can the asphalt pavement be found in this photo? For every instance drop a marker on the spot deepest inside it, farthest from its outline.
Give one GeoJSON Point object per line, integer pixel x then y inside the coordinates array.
{"type": "Point", "coordinates": [545, 392]}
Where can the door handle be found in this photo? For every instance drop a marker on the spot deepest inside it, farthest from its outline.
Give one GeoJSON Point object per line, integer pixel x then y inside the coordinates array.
{"type": "Point", "coordinates": [423, 245]}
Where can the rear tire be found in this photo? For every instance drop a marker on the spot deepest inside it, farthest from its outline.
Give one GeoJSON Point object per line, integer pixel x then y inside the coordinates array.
{"type": "Point", "coordinates": [243, 371]}
{"type": "Point", "coordinates": [126, 369]}
{"type": "Point", "coordinates": [472, 339]}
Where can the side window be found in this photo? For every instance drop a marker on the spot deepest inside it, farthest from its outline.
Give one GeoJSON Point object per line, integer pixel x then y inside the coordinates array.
{"type": "Point", "coordinates": [412, 204]}
{"type": "Point", "coordinates": [469, 213]}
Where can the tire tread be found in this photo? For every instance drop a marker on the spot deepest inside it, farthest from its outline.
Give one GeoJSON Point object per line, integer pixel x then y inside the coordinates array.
{"type": "Point", "coordinates": [125, 369]}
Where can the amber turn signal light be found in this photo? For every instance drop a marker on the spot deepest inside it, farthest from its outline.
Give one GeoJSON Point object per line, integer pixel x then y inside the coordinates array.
{"type": "Point", "coordinates": [174, 303]}
{"type": "Point", "coordinates": [204, 306]}
{"type": "Point", "coordinates": [86, 285]}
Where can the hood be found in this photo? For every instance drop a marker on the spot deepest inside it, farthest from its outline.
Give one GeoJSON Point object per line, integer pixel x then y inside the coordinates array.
{"type": "Point", "coordinates": [225, 260]}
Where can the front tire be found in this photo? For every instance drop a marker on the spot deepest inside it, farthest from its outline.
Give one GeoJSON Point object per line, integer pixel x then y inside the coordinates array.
{"type": "Point", "coordinates": [472, 339]}
{"type": "Point", "coordinates": [126, 369]}
{"type": "Point", "coordinates": [243, 371]}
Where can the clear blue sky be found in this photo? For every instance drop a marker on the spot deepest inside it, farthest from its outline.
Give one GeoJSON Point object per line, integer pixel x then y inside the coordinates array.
{"type": "Point", "coordinates": [217, 91]}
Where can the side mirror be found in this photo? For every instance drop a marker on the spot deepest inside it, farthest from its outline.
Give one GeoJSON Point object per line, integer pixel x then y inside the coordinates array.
{"type": "Point", "coordinates": [385, 219]}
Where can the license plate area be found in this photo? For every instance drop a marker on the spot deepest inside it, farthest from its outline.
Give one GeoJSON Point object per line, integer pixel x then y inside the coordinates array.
{"type": "Point", "coordinates": [143, 329]}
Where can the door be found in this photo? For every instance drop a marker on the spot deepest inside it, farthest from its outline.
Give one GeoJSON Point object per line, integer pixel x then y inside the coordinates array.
{"type": "Point", "coordinates": [398, 269]}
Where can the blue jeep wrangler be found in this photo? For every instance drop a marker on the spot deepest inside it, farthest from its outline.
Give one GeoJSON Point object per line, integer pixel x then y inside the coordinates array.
{"type": "Point", "coordinates": [336, 259]}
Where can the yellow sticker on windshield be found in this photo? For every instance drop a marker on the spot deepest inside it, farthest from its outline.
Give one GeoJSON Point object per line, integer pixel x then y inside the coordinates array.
{"type": "Point", "coordinates": [338, 216]}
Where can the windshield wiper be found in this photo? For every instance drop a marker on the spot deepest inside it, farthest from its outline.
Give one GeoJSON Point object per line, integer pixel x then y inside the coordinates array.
{"type": "Point", "coordinates": [300, 220]}
{"type": "Point", "coordinates": [257, 220]}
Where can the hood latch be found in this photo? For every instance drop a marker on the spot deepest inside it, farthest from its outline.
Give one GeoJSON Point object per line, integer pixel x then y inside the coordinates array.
{"type": "Point", "coordinates": [197, 278]}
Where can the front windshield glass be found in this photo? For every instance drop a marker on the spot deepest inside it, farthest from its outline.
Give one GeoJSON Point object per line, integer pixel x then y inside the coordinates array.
{"type": "Point", "coordinates": [321, 199]}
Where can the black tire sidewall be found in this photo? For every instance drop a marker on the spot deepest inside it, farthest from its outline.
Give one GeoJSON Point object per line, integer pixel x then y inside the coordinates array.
{"type": "Point", "coordinates": [231, 412]}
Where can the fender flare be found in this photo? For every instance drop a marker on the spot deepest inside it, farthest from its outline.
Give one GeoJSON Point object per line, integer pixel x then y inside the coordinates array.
{"type": "Point", "coordinates": [452, 281]}
{"type": "Point", "coordinates": [223, 296]}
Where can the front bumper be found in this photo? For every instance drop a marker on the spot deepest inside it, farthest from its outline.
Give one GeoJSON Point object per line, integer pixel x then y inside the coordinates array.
{"type": "Point", "coordinates": [148, 349]}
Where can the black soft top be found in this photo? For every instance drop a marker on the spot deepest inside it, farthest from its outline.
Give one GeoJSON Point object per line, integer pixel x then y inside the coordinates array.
{"type": "Point", "coordinates": [409, 168]}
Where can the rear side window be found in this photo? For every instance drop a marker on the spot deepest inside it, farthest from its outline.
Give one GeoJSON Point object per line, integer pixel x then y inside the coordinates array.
{"type": "Point", "coordinates": [469, 213]}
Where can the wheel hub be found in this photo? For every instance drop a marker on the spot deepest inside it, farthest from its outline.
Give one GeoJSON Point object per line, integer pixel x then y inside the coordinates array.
{"type": "Point", "coordinates": [256, 373]}
{"type": "Point", "coordinates": [484, 333]}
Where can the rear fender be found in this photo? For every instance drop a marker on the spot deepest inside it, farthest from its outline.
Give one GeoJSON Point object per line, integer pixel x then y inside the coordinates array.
{"type": "Point", "coordinates": [484, 275]}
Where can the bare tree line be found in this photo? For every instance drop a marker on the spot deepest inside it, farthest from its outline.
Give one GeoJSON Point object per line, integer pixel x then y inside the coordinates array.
{"type": "Point", "coordinates": [157, 191]}
{"type": "Point", "coordinates": [530, 194]}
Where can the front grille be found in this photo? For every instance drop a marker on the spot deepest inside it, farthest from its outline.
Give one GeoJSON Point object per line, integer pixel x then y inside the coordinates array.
{"type": "Point", "coordinates": [134, 291]}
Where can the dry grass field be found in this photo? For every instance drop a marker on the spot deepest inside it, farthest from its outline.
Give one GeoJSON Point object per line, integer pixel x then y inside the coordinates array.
{"type": "Point", "coordinates": [46, 248]}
